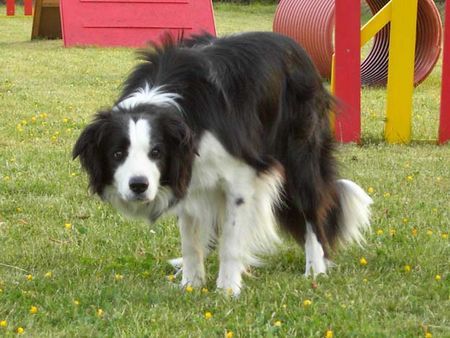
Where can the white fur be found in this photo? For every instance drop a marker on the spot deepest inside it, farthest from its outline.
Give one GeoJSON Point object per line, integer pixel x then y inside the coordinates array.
{"type": "Point", "coordinates": [147, 95]}
{"type": "Point", "coordinates": [137, 163]}
{"type": "Point", "coordinates": [228, 203]}
{"type": "Point", "coordinates": [355, 212]}
{"type": "Point", "coordinates": [314, 254]}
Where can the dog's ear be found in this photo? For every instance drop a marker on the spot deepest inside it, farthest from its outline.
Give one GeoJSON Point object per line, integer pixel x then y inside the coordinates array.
{"type": "Point", "coordinates": [182, 149]}
{"type": "Point", "coordinates": [87, 149]}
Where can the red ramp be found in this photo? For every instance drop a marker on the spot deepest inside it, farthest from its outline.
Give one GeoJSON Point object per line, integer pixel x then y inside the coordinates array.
{"type": "Point", "coordinates": [134, 22]}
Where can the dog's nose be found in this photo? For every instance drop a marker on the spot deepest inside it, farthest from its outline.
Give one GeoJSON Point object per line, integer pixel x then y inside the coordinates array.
{"type": "Point", "coordinates": [138, 184]}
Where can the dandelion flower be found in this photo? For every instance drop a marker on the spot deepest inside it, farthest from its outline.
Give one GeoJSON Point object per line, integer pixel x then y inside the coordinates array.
{"type": "Point", "coordinates": [414, 232]}
{"type": "Point", "coordinates": [444, 235]}
{"type": "Point", "coordinates": [3, 323]}
{"type": "Point", "coordinates": [76, 302]}
{"type": "Point", "coordinates": [329, 334]}
{"type": "Point", "coordinates": [407, 268]}
{"type": "Point", "coordinates": [29, 277]}
{"type": "Point", "coordinates": [208, 315]}
{"type": "Point", "coordinates": [33, 310]}
{"type": "Point", "coordinates": [100, 313]}
{"type": "Point", "coordinates": [405, 220]}
{"type": "Point", "coordinates": [20, 330]}
{"type": "Point", "coordinates": [429, 232]}
{"type": "Point", "coordinates": [229, 334]}
{"type": "Point", "coordinates": [387, 194]}
{"type": "Point", "coordinates": [428, 335]}
{"type": "Point", "coordinates": [392, 232]}
{"type": "Point", "coordinates": [365, 280]}
{"type": "Point", "coordinates": [370, 190]}
{"type": "Point", "coordinates": [410, 178]}
{"type": "Point", "coordinates": [204, 290]}
{"type": "Point", "coordinates": [307, 302]}
{"type": "Point", "coordinates": [437, 278]}
{"type": "Point", "coordinates": [171, 278]}
{"type": "Point", "coordinates": [277, 323]}
{"type": "Point", "coordinates": [380, 232]}
{"type": "Point", "coordinates": [118, 276]}
{"type": "Point", "coordinates": [362, 261]}
{"type": "Point", "coordinates": [189, 288]}
{"type": "Point", "coordinates": [68, 226]}
{"type": "Point", "coordinates": [48, 274]}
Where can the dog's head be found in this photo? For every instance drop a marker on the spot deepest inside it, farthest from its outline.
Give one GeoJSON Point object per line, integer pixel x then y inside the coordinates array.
{"type": "Point", "coordinates": [138, 157]}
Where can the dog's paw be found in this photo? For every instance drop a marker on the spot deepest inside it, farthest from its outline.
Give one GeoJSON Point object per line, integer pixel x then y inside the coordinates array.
{"type": "Point", "coordinates": [229, 286]}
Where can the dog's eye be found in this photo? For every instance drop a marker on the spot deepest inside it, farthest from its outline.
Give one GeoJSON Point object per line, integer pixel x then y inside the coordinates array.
{"type": "Point", "coordinates": [155, 153]}
{"type": "Point", "coordinates": [118, 155]}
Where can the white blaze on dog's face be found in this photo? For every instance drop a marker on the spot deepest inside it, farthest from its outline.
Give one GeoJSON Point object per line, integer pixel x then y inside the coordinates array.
{"type": "Point", "coordinates": [137, 177]}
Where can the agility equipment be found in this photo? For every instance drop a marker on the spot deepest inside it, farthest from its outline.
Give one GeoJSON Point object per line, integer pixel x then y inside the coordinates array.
{"type": "Point", "coordinates": [132, 23]}
{"type": "Point", "coordinates": [406, 63]}
{"type": "Point", "coordinates": [311, 24]}
{"type": "Point", "coordinates": [11, 7]}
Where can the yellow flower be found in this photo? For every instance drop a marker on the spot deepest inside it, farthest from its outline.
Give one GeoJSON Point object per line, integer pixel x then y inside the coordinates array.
{"type": "Point", "coordinates": [444, 235]}
{"type": "Point", "coordinates": [65, 120]}
{"type": "Point", "coordinates": [33, 310]}
{"type": "Point", "coordinates": [307, 302]}
{"type": "Point", "coordinates": [392, 232]}
{"type": "Point", "coordinates": [118, 276]}
{"type": "Point", "coordinates": [208, 315]}
{"type": "Point", "coordinates": [414, 232]}
{"type": "Point", "coordinates": [229, 334]}
{"type": "Point", "coordinates": [76, 302]}
{"type": "Point", "coordinates": [437, 278]}
{"type": "Point", "coordinates": [68, 226]}
{"type": "Point", "coordinates": [20, 330]}
{"type": "Point", "coordinates": [380, 232]}
{"type": "Point", "coordinates": [277, 323]}
{"type": "Point", "coordinates": [100, 313]}
{"type": "Point", "coordinates": [365, 280]}
{"type": "Point", "coordinates": [387, 194]}
{"type": "Point", "coordinates": [1, 290]}
{"type": "Point", "coordinates": [405, 220]}
{"type": "Point", "coordinates": [428, 335]}
{"type": "Point", "coordinates": [3, 323]}
{"type": "Point", "coordinates": [48, 274]}
{"type": "Point", "coordinates": [370, 190]}
{"type": "Point", "coordinates": [407, 268]}
{"type": "Point", "coordinates": [362, 261]}
{"type": "Point", "coordinates": [29, 277]}
{"type": "Point", "coordinates": [189, 288]}
{"type": "Point", "coordinates": [171, 278]}
{"type": "Point", "coordinates": [33, 119]}
{"type": "Point", "coordinates": [429, 232]}
{"type": "Point", "coordinates": [329, 334]}
{"type": "Point", "coordinates": [204, 290]}
{"type": "Point", "coordinates": [410, 178]}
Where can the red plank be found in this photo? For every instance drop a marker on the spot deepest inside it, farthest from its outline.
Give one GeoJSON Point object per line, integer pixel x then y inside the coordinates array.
{"type": "Point", "coordinates": [444, 123]}
{"type": "Point", "coordinates": [347, 70]}
{"type": "Point", "coordinates": [10, 7]}
{"type": "Point", "coordinates": [132, 23]}
{"type": "Point", "coordinates": [28, 7]}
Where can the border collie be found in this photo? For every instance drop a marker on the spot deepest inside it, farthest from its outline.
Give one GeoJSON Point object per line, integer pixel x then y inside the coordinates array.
{"type": "Point", "coordinates": [231, 135]}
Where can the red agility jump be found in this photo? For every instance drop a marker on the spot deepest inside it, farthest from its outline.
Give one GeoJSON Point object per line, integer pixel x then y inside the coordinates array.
{"type": "Point", "coordinates": [402, 56]}
{"type": "Point", "coordinates": [11, 7]}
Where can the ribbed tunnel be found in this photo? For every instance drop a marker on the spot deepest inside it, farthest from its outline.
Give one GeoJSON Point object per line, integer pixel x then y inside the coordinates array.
{"type": "Point", "coordinates": [311, 24]}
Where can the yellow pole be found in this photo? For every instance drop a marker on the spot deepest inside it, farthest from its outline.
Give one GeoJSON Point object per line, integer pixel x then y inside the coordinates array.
{"type": "Point", "coordinates": [400, 83]}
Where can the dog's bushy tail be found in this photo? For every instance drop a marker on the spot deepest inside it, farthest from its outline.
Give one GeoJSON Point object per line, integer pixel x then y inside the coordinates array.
{"type": "Point", "coordinates": [354, 218]}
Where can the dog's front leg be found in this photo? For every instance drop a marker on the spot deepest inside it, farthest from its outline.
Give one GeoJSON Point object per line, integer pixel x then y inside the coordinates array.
{"type": "Point", "coordinates": [193, 251]}
{"type": "Point", "coordinates": [233, 244]}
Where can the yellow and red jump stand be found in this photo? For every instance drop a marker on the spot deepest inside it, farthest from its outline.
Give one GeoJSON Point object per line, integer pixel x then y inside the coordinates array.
{"type": "Point", "coordinates": [402, 16]}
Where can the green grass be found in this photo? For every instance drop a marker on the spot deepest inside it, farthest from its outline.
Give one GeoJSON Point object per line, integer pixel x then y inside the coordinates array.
{"type": "Point", "coordinates": [49, 93]}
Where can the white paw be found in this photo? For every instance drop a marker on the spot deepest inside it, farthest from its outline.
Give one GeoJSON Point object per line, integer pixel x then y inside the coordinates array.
{"type": "Point", "coordinates": [230, 285]}
{"type": "Point", "coordinates": [193, 278]}
{"type": "Point", "coordinates": [177, 263]}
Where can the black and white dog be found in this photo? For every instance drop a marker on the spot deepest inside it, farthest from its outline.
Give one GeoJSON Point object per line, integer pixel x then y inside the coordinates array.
{"type": "Point", "coordinates": [232, 135]}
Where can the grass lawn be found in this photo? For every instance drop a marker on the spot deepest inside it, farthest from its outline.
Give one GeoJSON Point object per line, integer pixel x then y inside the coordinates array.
{"type": "Point", "coordinates": [91, 273]}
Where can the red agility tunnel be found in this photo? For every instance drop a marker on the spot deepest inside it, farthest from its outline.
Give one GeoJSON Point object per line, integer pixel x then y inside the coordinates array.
{"type": "Point", "coordinates": [311, 24]}
{"type": "Point", "coordinates": [132, 23]}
